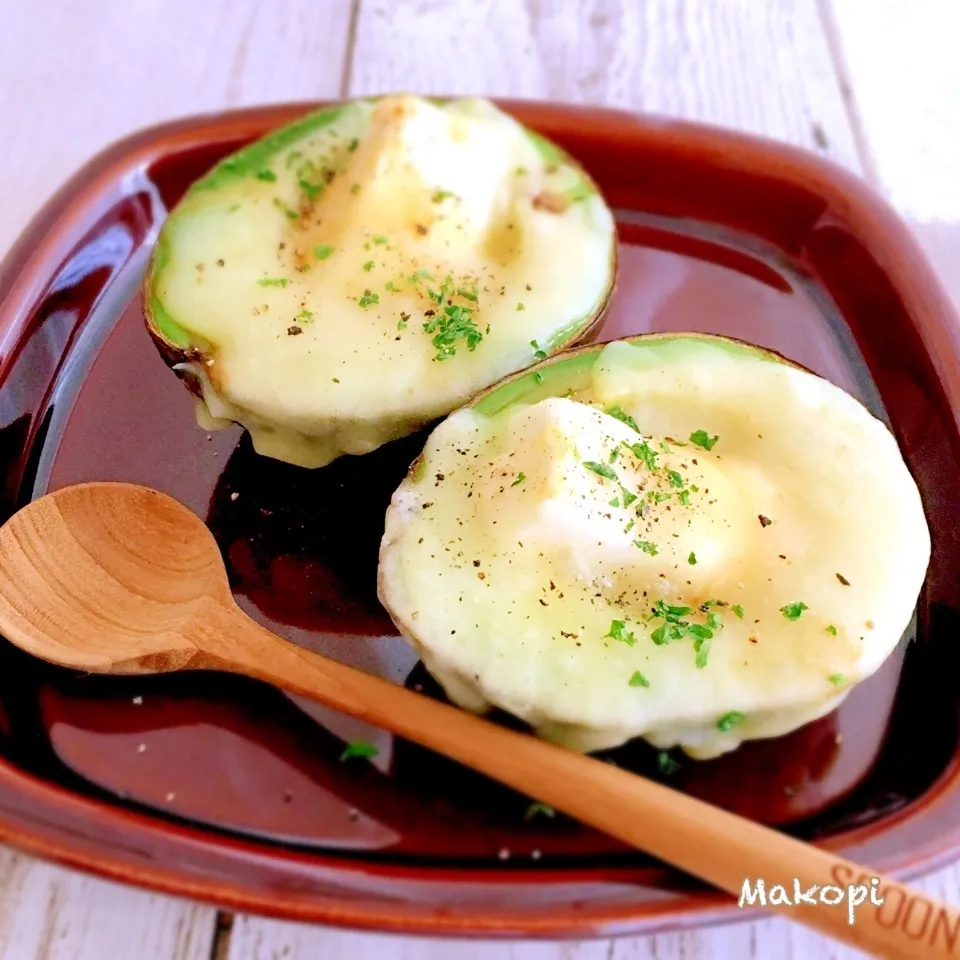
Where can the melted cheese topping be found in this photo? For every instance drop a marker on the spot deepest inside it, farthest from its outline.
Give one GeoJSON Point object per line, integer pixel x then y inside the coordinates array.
{"type": "Point", "coordinates": [535, 560]}
{"type": "Point", "coordinates": [314, 286]}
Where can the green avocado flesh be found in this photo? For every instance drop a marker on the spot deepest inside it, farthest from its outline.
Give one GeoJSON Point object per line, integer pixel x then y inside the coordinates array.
{"type": "Point", "coordinates": [676, 537]}
{"type": "Point", "coordinates": [372, 267]}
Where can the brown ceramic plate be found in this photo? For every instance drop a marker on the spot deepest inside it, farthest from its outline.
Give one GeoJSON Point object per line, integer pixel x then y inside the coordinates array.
{"type": "Point", "coordinates": [225, 790]}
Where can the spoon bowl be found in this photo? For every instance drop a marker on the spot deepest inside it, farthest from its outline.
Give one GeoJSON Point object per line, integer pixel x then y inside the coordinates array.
{"type": "Point", "coordinates": [108, 578]}
{"type": "Point", "coordinates": [117, 578]}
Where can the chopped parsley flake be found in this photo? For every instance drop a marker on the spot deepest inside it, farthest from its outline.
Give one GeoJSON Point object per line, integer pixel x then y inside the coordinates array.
{"type": "Point", "coordinates": [670, 612]}
{"type": "Point", "coordinates": [358, 748]}
{"type": "Point", "coordinates": [368, 266]}
{"type": "Point", "coordinates": [647, 547]}
{"type": "Point", "coordinates": [449, 325]}
{"type": "Point", "coordinates": [312, 190]}
{"type": "Point", "coordinates": [645, 454]}
{"type": "Point", "coordinates": [702, 649]}
{"type": "Point", "coordinates": [792, 611]}
{"type": "Point", "coordinates": [675, 628]}
{"type": "Point", "coordinates": [468, 292]}
{"type": "Point", "coordinates": [624, 417]}
{"type": "Point", "coordinates": [521, 476]}
{"type": "Point", "coordinates": [273, 281]}
{"type": "Point", "coordinates": [675, 479]}
{"type": "Point", "coordinates": [601, 469]}
{"type": "Point", "coordinates": [628, 497]}
{"type": "Point", "coordinates": [666, 764]}
{"type": "Point", "coordinates": [837, 679]}
{"type": "Point", "coordinates": [280, 205]}
{"type": "Point", "coordinates": [684, 497]}
{"type": "Point", "coordinates": [379, 239]}
{"type": "Point", "coordinates": [268, 175]}
{"type": "Point", "coordinates": [619, 631]}
{"type": "Point", "coordinates": [305, 315]}
{"type": "Point", "coordinates": [440, 195]}
{"type": "Point", "coordinates": [832, 630]}
{"type": "Point", "coordinates": [539, 353]}
{"type": "Point", "coordinates": [692, 559]}
{"type": "Point", "coordinates": [730, 720]}
{"type": "Point", "coordinates": [539, 810]}
{"type": "Point", "coordinates": [353, 144]}
{"type": "Point", "coordinates": [658, 497]}
{"type": "Point", "coordinates": [451, 322]}
{"type": "Point", "coordinates": [520, 307]}
{"type": "Point", "coordinates": [322, 251]}
{"type": "Point", "coordinates": [368, 299]}
{"type": "Point", "coordinates": [738, 610]}
{"type": "Point", "coordinates": [703, 439]}
{"type": "Point", "coordinates": [639, 680]}
{"type": "Point", "coordinates": [538, 377]}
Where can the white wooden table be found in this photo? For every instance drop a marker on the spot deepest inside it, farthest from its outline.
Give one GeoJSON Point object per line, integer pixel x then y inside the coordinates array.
{"type": "Point", "coordinates": [874, 84]}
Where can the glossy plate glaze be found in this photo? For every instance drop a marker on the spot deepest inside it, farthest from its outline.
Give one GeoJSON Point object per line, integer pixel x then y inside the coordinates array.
{"type": "Point", "coordinates": [218, 788]}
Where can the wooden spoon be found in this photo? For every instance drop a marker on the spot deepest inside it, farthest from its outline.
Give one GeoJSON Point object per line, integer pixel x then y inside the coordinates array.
{"type": "Point", "coordinates": [116, 578]}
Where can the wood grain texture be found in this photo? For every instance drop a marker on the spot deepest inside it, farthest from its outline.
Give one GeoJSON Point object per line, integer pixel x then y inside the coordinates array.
{"type": "Point", "coordinates": [47, 913]}
{"type": "Point", "coordinates": [759, 67]}
{"type": "Point", "coordinates": [75, 77]}
{"type": "Point", "coordinates": [257, 939]}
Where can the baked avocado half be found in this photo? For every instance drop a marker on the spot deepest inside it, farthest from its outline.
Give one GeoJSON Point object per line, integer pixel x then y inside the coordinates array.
{"type": "Point", "coordinates": [371, 267]}
{"type": "Point", "coordinates": [682, 538]}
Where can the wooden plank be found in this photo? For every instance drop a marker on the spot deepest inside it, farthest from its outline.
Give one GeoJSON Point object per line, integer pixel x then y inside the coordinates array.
{"type": "Point", "coordinates": [47, 913]}
{"type": "Point", "coordinates": [76, 77]}
{"type": "Point", "coordinates": [273, 940]}
{"type": "Point", "coordinates": [900, 65]}
{"type": "Point", "coordinates": [766, 68]}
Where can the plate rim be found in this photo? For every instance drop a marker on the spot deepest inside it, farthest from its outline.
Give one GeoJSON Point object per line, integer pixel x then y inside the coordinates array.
{"type": "Point", "coordinates": [43, 244]}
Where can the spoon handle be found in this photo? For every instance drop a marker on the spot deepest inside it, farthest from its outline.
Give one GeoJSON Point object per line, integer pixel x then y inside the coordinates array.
{"type": "Point", "coordinates": [725, 850]}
